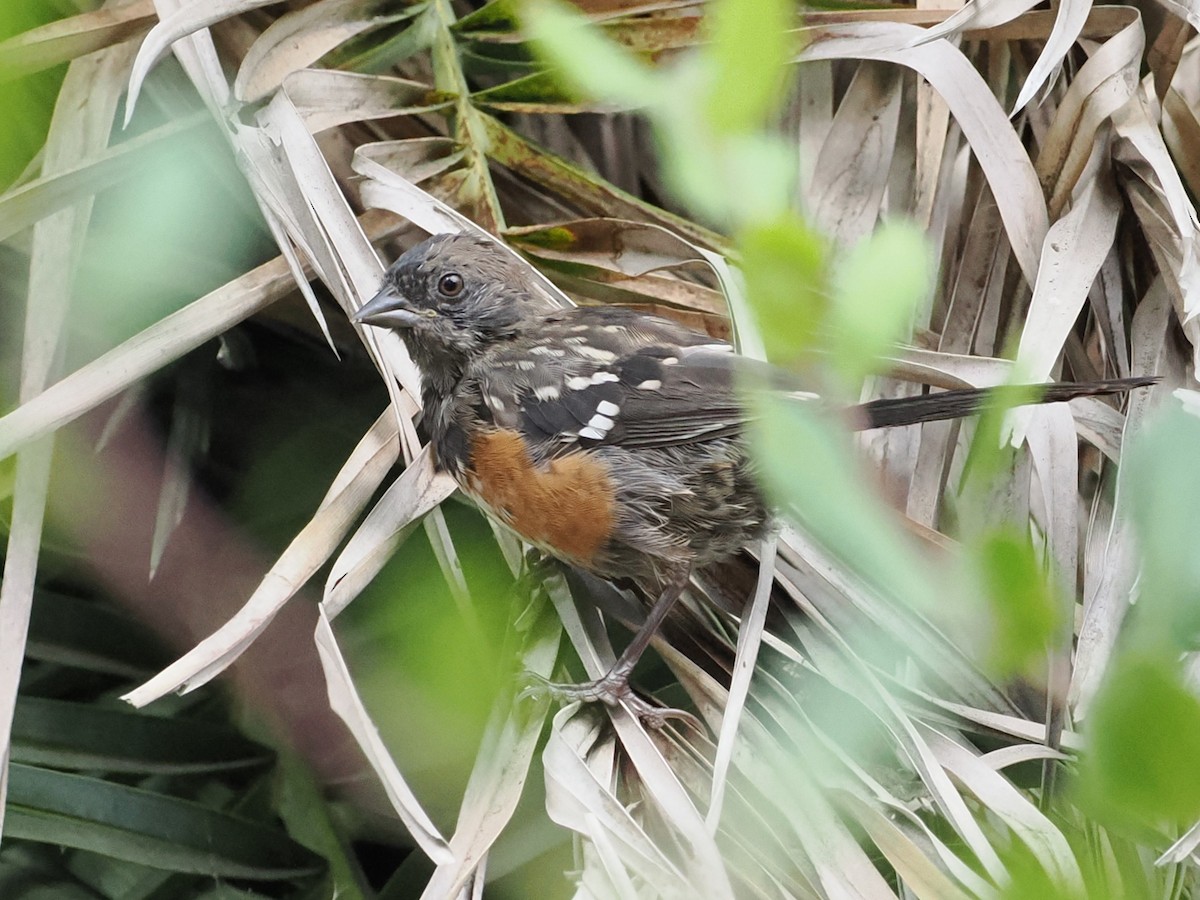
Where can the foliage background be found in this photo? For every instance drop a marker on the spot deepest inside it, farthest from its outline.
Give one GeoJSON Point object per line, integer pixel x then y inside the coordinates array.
{"type": "Point", "coordinates": [954, 694]}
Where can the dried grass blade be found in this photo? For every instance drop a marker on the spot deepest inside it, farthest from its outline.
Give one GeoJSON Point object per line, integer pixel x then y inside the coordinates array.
{"type": "Point", "coordinates": [1074, 250]}
{"type": "Point", "coordinates": [180, 20]}
{"type": "Point", "coordinates": [344, 700]}
{"type": "Point", "coordinates": [579, 798]}
{"type": "Point", "coordinates": [67, 39]}
{"type": "Point", "coordinates": [155, 347]}
{"type": "Point", "coordinates": [418, 490]}
{"type": "Point", "coordinates": [327, 98]}
{"type": "Point", "coordinates": [1108, 599]}
{"type": "Point", "coordinates": [195, 52]}
{"type": "Point", "coordinates": [1102, 86]}
{"type": "Point", "coordinates": [998, 795]}
{"type": "Point", "coordinates": [915, 869]}
{"type": "Point", "coordinates": [501, 766]}
{"type": "Point", "coordinates": [23, 206]}
{"type": "Point", "coordinates": [300, 37]}
{"type": "Point", "coordinates": [856, 157]}
{"type": "Point", "coordinates": [1143, 150]}
{"type": "Point", "coordinates": [984, 124]}
{"type": "Point", "coordinates": [79, 129]}
{"type": "Point", "coordinates": [309, 550]}
{"type": "Point", "coordinates": [750, 634]}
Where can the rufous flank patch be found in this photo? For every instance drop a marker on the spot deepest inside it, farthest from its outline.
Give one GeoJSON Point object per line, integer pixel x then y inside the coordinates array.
{"type": "Point", "coordinates": [566, 505]}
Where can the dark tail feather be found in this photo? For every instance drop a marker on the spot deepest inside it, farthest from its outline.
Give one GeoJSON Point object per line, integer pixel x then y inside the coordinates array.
{"type": "Point", "coordinates": [956, 404]}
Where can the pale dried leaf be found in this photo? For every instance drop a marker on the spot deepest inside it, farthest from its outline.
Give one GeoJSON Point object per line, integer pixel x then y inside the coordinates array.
{"type": "Point", "coordinates": [983, 123]}
{"type": "Point", "coordinates": [1002, 799]}
{"type": "Point", "coordinates": [344, 700]}
{"type": "Point", "coordinates": [67, 39]}
{"type": "Point", "coordinates": [300, 37]}
{"type": "Point", "coordinates": [180, 20]}
{"type": "Point", "coordinates": [418, 490]}
{"type": "Point", "coordinates": [355, 484]}
{"type": "Point", "coordinates": [1075, 248]}
{"type": "Point", "coordinates": [156, 346]}
{"type": "Point", "coordinates": [326, 98]}
{"type": "Point", "coordinates": [856, 157]}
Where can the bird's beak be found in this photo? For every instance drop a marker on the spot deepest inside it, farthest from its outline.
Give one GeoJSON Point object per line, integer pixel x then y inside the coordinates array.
{"type": "Point", "coordinates": [388, 309]}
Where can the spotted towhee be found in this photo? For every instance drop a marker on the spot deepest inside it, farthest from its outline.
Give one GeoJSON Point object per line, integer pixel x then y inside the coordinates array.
{"type": "Point", "coordinates": [610, 439]}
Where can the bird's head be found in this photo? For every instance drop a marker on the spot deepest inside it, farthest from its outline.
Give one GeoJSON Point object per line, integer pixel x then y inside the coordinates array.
{"type": "Point", "coordinates": [451, 297]}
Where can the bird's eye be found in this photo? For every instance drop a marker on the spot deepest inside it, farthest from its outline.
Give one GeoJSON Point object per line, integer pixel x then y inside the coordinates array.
{"type": "Point", "coordinates": [451, 284]}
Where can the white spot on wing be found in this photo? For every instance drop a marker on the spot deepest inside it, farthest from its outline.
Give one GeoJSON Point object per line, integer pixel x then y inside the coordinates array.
{"type": "Point", "coordinates": [650, 384]}
{"type": "Point", "coordinates": [605, 408]}
{"type": "Point", "coordinates": [596, 353]}
{"type": "Point", "coordinates": [670, 361]}
{"type": "Point", "coordinates": [600, 423]}
{"type": "Point", "coordinates": [591, 433]}
{"type": "Point", "coordinates": [580, 382]}
{"type": "Point", "coordinates": [495, 402]}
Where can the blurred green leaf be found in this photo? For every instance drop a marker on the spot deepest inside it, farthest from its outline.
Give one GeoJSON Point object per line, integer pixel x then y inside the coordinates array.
{"type": "Point", "coordinates": [749, 49]}
{"type": "Point", "coordinates": [147, 828]}
{"type": "Point", "coordinates": [1025, 615]}
{"type": "Point", "coordinates": [1144, 743]}
{"type": "Point", "coordinates": [26, 104]}
{"type": "Point", "coordinates": [877, 287]}
{"type": "Point", "coordinates": [1164, 483]}
{"type": "Point", "coordinates": [809, 468]}
{"type": "Point", "coordinates": [591, 63]}
{"type": "Point", "coordinates": [784, 265]}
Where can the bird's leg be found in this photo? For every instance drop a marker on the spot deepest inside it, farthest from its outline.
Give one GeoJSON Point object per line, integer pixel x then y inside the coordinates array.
{"type": "Point", "coordinates": [613, 687]}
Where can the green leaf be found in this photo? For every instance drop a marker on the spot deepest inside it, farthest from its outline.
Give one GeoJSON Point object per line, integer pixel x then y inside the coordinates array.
{"type": "Point", "coordinates": [1163, 482]}
{"type": "Point", "coordinates": [496, 16]}
{"type": "Point", "coordinates": [540, 88]}
{"type": "Point", "coordinates": [66, 735]}
{"type": "Point", "coordinates": [750, 47]}
{"type": "Point", "coordinates": [784, 265]}
{"type": "Point", "coordinates": [809, 469]}
{"type": "Point", "coordinates": [593, 64]}
{"type": "Point", "coordinates": [147, 828]}
{"type": "Point", "coordinates": [1145, 740]}
{"type": "Point", "coordinates": [877, 288]}
{"type": "Point", "coordinates": [1024, 612]}
{"type": "Point", "coordinates": [88, 635]}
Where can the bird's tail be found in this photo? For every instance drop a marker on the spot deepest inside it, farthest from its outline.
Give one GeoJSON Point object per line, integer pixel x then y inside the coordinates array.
{"type": "Point", "coordinates": [958, 403]}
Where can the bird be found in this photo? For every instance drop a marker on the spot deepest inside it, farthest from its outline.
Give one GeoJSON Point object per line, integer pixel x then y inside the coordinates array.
{"type": "Point", "coordinates": [611, 439]}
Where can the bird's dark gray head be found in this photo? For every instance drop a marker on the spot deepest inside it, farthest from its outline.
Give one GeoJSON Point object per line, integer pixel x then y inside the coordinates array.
{"type": "Point", "coordinates": [451, 297]}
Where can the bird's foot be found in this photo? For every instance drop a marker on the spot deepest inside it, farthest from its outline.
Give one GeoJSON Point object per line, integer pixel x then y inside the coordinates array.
{"type": "Point", "coordinates": [613, 690]}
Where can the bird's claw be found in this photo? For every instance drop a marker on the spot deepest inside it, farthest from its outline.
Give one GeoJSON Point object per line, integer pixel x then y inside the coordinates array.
{"type": "Point", "coordinates": [612, 690]}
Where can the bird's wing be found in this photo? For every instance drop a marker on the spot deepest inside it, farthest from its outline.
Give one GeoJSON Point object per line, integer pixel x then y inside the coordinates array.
{"type": "Point", "coordinates": [606, 376]}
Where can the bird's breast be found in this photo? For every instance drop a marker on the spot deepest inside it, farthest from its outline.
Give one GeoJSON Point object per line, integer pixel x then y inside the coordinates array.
{"type": "Point", "coordinates": [566, 505]}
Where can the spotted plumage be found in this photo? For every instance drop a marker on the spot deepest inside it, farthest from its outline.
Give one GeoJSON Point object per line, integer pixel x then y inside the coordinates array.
{"type": "Point", "coordinates": [610, 438]}
{"type": "Point", "coordinates": [618, 387]}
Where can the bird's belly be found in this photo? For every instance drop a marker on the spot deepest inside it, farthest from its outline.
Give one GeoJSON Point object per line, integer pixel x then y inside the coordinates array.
{"type": "Point", "coordinates": [565, 506]}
